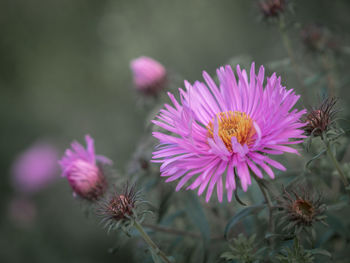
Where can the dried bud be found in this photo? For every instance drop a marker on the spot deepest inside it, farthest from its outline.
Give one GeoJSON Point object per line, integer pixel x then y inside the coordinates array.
{"type": "Point", "coordinates": [300, 209]}
{"type": "Point", "coordinates": [120, 207]}
{"type": "Point", "coordinates": [84, 175]}
{"type": "Point", "coordinates": [144, 164]}
{"type": "Point", "coordinates": [272, 8]}
{"type": "Point", "coordinates": [318, 38]}
{"type": "Point", "coordinates": [319, 120]}
{"type": "Point", "coordinates": [149, 75]}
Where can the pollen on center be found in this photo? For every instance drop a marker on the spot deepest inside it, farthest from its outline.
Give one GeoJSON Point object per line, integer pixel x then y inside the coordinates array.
{"type": "Point", "coordinates": [233, 123]}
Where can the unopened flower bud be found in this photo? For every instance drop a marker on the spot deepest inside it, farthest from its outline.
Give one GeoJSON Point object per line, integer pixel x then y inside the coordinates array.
{"type": "Point", "coordinates": [120, 209]}
{"type": "Point", "coordinates": [149, 75]}
{"type": "Point", "coordinates": [272, 8]}
{"type": "Point", "coordinates": [121, 205]}
{"type": "Point", "coordinates": [84, 175]}
{"type": "Point", "coordinates": [300, 208]}
{"type": "Point", "coordinates": [319, 120]}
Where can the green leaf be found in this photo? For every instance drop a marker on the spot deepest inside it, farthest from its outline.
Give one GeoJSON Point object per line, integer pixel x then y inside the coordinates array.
{"type": "Point", "coordinates": [279, 236]}
{"type": "Point", "coordinates": [228, 255]}
{"type": "Point", "coordinates": [240, 215]}
{"type": "Point", "coordinates": [155, 257]}
{"type": "Point", "coordinates": [167, 220]}
{"type": "Point", "coordinates": [164, 205]}
{"type": "Point", "coordinates": [238, 199]}
{"type": "Point", "coordinates": [337, 225]}
{"type": "Point", "coordinates": [340, 205]}
{"type": "Point", "coordinates": [315, 157]}
{"type": "Point", "coordinates": [320, 251]}
{"type": "Point", "coordinates": [196, 214]}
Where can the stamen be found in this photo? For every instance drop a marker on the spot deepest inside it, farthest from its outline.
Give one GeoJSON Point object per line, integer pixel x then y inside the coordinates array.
{"type": "Point", "coordinates": [233, 123]}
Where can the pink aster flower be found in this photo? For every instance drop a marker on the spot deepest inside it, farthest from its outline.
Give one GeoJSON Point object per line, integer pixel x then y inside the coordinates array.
{"type": "Point", "coordinates": [84, 175]}
{"type": "Point", "coordinates": [35, 168]}
{"type": "Point", "coordinates": [221, 134]}
{"type": "Point", "coordinates": [149, 75]}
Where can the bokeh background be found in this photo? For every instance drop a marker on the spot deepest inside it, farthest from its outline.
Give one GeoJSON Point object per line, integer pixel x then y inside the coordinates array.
{"type": "Point", "coordinates": [64, 72]}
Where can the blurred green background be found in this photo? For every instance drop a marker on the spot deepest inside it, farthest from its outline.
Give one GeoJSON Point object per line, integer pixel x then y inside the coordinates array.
{"type": "Point", "coordinates": [64, 72]}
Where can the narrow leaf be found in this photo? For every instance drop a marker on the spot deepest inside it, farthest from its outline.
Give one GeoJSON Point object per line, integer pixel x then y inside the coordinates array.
{"type": "Point", "coordinates": [240, 215]}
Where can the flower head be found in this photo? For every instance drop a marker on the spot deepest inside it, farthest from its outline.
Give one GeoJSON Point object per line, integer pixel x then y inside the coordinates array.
{"type": "Point", "coordinates": [272, 8]}
{"type": "Point", "coordinates": [84, 175]}
{"type": "Point", "coordinates": [319, 120]}
{"type": "Point", "coordinates": [300, 208]}
{"type": "Point", "coordinates": [35, 168]}
{"type": "Point", "coordinates": [149, 75]}
{"type": "Point", "coordinates": [221, 132]}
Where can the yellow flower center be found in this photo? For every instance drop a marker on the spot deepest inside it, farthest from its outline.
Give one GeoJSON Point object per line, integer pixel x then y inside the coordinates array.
{"type": "Point", "coordinates": [233, 123]}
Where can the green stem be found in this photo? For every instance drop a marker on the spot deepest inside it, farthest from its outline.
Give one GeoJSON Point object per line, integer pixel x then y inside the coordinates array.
{"type": "Point", "coordinates": [269, 204]}
{"type": "Point", "coordinates": [289, 49]}
{"type": "Point", "coordinates": [336, 163]}
{"type": "Point", "coordinates": [150, 243]}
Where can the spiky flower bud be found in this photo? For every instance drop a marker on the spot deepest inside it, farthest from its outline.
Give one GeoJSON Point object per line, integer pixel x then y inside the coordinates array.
{"type": "Point", "coordinates": [84, 175]}
{"type": "Point", "coordinates": [120, 206]}
{"type": "Point", "coordinates": [272, 8]}
{"type": "Point", "coordinates": [120, 209]}
{"type": "Point", "coordinates": [300, 209]}
{"type": "Point", "coordinates": [320, 119]}
{"type": "Point", "coordinates": [149, 75]}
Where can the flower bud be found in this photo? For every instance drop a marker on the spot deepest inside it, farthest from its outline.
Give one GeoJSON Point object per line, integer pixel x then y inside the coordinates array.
{"type": "Point", "coordinates": [299, 209]}
{"type": "Point", "coordinates": [149, 75]}
{"type": "Point", "coordinates": [121, 205]}
{"type": "Point", "coordinates": [272, 8]}
{"type": "Point", "coordinates": [84, 175]}
{"type": "Point", "coordinates": [319, 120]}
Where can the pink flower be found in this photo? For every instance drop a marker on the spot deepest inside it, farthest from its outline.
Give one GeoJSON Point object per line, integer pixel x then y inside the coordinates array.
{"type": "Point", "coordinates": [84, 175]}
{"type": "Point", "coordinates": [149, 75]}
{"type": "Point", "coordinates": [221, 134]}
{"type": "Point", "coordinates": [35, 168]}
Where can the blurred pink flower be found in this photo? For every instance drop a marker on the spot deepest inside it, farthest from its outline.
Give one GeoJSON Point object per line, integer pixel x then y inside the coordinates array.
{"type": "Point", "coordinates": [149, 75]}
{"type": "Point", "coordinates": [35, 168]}
{"type": "Point", "coordinates": [83, 174]}
{"type": "Point", "coordinates": [227, 131]}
